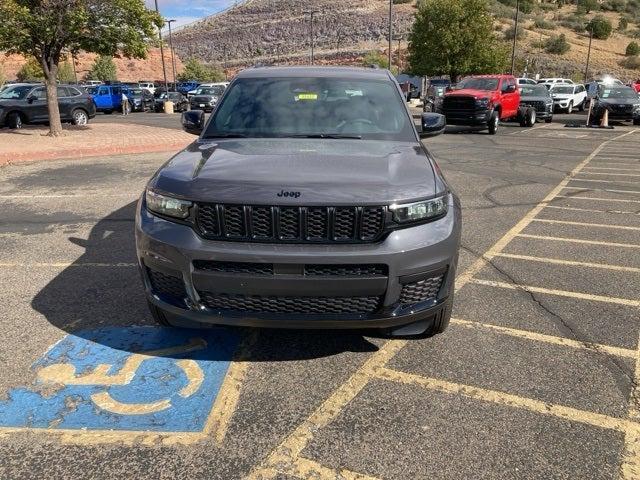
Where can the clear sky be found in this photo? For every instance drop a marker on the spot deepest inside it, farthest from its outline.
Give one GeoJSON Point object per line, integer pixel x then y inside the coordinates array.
{"type": "Point", "coordinates": [187, 11]}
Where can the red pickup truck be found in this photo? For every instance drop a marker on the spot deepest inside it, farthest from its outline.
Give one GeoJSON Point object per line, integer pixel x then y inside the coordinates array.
{"type": "Point", "coordinates": [484, 101]}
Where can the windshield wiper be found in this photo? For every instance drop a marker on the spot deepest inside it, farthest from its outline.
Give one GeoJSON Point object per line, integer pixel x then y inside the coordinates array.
{"type": "Point", "coordinates": [329, 135]}
{"type": "Point", "coordinates": [226, 135]}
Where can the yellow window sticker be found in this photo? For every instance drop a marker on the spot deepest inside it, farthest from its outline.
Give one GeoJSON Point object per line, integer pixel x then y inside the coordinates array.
{"type": "Point", "coordinates": [307, 96]}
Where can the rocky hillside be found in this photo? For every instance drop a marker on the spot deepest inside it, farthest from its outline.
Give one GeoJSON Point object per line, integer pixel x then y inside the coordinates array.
{"type": "Point", "coordinates": [129, 70]}
{"type": "Point", "coordinates": [278, 30]}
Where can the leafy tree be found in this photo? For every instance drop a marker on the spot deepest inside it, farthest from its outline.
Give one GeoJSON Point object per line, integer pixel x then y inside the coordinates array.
{"type": "Point", "coordinates": [103, 69]}
{"type": "Point", "coordinates": [455, 37]}
{"type": "Point", "coordinates": [3, 77]}
{"type": "Point", "coordinates": [601, 27]}
{"type": "Point", "coordinates": [43, 29]}
{"type": "Point", "coordinates": [557, 44]}
{"type": "Point", "coordinates": [30, 71]}
{"type": "Point", "coordinates": [195, 70]}
{"type": "Point", "coordinates": [632, 49]}
{"type": "Point", "coordinates": [65, 73]}
{"type": "Point", "coordinates": [375, 57]}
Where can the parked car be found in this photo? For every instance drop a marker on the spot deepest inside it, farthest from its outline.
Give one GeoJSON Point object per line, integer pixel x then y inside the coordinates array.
{"type": "Point", "coordinates": [435, 90]}
{"type": "Point", "coordinates": [91, 83]}
{"type": "Point", "coordinates": [185, 87]}
{"type": "Point", "coordinates": [622, 103]}
{"type": "Point", "coordinates": [409, 90]}
{"type": "Point", "coordinates": [538, 97]}
{"type": "Point", "coordinates": [139, 99]}
{"type": "Point", "coordinates": [292, 234]}
{"type": "Point", "coordinates": [568, 97]}
{"type": "Point", "coordinates": [193, 92]}
{"type": "Point", "coordinates": [26, 103]}
{"type": "Point", "coordinates": [526, 81]}
{"type": "Point", "coordinates": [636, 85]}
{"type": "Point", "coordinates": [108, 98]}
{"type": "Point", "coordinates": [206, 98]}
{"type": "Point", "coordinates": [484, 101]}
{"type": "Point", "coordinates": [180, 102]}
{"type": "Point", "coordinates": [150, 86]}
{"type": "Point", "coordinates": [549, 82]}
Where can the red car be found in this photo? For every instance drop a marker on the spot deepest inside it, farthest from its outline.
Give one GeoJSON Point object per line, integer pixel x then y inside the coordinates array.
{"type": "Point", "coordinates": [636, 85]}
{"type": "Point", "coordinates": [484, 101]}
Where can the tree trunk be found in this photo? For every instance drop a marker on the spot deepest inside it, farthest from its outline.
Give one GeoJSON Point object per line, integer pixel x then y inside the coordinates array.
{"type": "Point", "coordinates": [55, 125]}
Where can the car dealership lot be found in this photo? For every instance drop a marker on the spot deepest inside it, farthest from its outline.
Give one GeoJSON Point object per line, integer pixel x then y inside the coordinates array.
{"type": "Point", "coordinates": [535, 378]}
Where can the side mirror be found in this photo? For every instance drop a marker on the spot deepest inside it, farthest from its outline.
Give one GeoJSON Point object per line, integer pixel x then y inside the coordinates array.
{"type": "Point", "coordinates": [432, 124]}
{"type": "Point", "coordinates": [31, 99]}
{"type": "Point", "coordinates": [511, 89]}
{"type": "Point", "coordinates": [193, 121]}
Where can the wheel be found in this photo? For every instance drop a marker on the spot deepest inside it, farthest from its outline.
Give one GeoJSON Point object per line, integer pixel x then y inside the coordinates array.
{"type": "Point", "coordinates": [14, 121]}
{"type": "Point", "coordinates": [581, 106]}
{"type": "Point", "coordinates": [636, 121]}
{"type": "Point", "coordinates": [530, 117]}
{"type": "Point", "coordinates": [158, 315]}
{"type": "Point", "coordinates": [548, 119]}
{"type": "Point", "coordinates": [570, 107]}
{"type": "Point", "coordinates": [494, 121]}
{"type": "Point", "coordinates": [79, 117]}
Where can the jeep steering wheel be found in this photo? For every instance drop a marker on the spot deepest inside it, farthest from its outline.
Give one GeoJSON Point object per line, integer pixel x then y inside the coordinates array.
{"type": "Point", "coordinates": [355, 121]}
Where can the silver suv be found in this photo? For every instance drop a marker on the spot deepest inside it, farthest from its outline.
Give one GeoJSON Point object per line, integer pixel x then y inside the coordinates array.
{"type": "Point", "coordinates": [308, 201]}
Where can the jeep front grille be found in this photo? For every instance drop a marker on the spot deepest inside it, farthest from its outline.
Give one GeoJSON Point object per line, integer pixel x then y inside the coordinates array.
{"type": "Point", "coordinates": [278, 224]}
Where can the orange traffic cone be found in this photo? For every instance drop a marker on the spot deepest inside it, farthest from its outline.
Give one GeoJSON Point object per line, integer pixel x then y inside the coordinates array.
{"type": "Point", "coordinates": [604, 123]}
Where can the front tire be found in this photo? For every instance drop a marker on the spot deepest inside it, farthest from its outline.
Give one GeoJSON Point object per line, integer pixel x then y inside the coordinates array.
{"type": "Point", "coordinates": [494, 122]}
{"type": "Point", "coordinates": [79, 117]}
{"type": "Point", "coordinates": [158, 315]}
{"type": "Point", "coordinates": [14, 121]}
{"type": "Point", "coordinates": [570, 108]}
{"type": "Point", "coordinates": [582, 106]}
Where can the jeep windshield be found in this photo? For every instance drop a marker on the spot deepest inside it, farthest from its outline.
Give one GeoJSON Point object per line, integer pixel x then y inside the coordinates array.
{"type": "Point", "coordinates": [215, 91]}
{"type": "Point", "coordinates": [312, 108]}
{"type": "Point", "coordinates": [619, 92]}
{"type": "Point", "coordinates": [534, 91]}
{"type": "Point", "coordinates": [562, 90]}
{"type": "Point", "coordinates": [478, 84]}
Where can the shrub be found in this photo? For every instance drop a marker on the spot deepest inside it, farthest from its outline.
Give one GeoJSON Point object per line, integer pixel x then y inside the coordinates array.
{"type": "Point", "coordinates": [557, 44]}
{"type": "Point", "coordinates": [623, 24]}
{"type": "Point", "coordinates": [632, 63]}
{"type": "Point", "coordinates": [509, 33]}
{"type": "Point", "coordinates": [632, 50]}
{"type": "Point", "coordinates": [574, 22]}
{"type": "Point", "coordinates": [541, 22]}
{"type": "Point", "coordinates": [587, 6]}
{"type": "Point", "coordinates": [614, 5]}
{"type": "Point", "coordinates": [601, 27]}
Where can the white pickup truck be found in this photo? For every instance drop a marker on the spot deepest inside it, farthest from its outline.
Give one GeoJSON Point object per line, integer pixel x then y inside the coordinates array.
{"type": "Point", "coordinates": [568, 97]}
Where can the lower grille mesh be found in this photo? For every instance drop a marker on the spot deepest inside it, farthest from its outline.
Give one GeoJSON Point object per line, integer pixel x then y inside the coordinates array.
{"type": "Point", "coordinates": [169, 285]}
{"type": "Point", "coordinates": [302, 305]}
{"type": "Point", "coordinates": [421, 291]}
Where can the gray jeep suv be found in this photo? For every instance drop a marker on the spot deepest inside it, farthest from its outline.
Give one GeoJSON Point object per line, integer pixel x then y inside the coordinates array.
{"type": "Point", "coordinates": [308, 201]}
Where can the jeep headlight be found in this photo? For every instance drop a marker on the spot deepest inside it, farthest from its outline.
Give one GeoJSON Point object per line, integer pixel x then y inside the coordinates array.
{"type": "Point", "coordinates": [168, 206]}
{"type": "Point", "coordinates": [482, 102]}
{"type": "Point", "coordinates": [424, 210]}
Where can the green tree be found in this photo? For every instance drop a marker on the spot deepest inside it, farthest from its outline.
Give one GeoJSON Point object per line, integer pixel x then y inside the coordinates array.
{"type": "Point", "coordinates": [195, 70]}
{"type": "Point", "coordinates": [557, 44]}
{"type": "Point", "coordinates": [455, 37]}
{"type": "Point", "coordinates": [30, 71]}
{"type": "Point", "coordinates": [600, 26]}
{"type": "Point", "coordinates": [103, 69]}
{"type": "Point", "coordinates": [587, 6]}
{"type": "Point", "coordinates": [65, 73]}
{"type": "Point", "coordinates": [632, 49]}
{"type": "Point", "coordinates": [43, 29]}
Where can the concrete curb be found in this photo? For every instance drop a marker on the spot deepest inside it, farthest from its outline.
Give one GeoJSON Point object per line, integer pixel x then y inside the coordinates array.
{"type": "Point", "coordinates": [19, 157]}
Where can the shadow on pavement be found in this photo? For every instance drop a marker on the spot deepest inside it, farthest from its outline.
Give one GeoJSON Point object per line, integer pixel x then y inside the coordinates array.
{"type": "Point", "coordinates": [102, 288]}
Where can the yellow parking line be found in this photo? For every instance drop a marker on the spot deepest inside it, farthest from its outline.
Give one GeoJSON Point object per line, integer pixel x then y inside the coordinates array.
{"type": "Point", "coordinates": [306, 468]}
{"type": "Point", "coordinates": [540, 337]}
{"type": "Point", "coordinates": [599, 199]}
{"type": "Point", "coordinates": [602, 190]}
{"type": "Point", "coordinates": [560, 293]}
{"type": "Point", "coordinates": [592, 210]}
{"type": "Point", "coordinates": [586, 224]}
{"type": "Point", "coordinates": [579, 240]}
{"type": "Point", "coordinates": [510, 400]}
{"type": "Point", "coordinates": [557, 261]}
{"type": "Point", "coordinates": [575, 179]}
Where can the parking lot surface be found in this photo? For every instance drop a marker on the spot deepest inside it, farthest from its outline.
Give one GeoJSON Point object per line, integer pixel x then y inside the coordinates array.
{"type": "Point", "coordinates": [535, 378]}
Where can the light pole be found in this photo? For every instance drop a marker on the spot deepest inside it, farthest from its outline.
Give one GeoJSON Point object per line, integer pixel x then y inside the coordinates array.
{"type": "Point", "coordinates": [390, 29]}
{"type": "Point", "coordinates": [312, 13]}
{"type": "Point", "coordinates": [164, 68]}
{"type": "Point", "coordinates": [173, 57]}
{"type": "Point", "coordinates": [515, 38]}
{"type": "Point", "coordinates": [586, 70]}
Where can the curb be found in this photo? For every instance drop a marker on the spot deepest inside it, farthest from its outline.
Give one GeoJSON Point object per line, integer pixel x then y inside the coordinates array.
{"type": "Point", "coordinates": [17, 157]}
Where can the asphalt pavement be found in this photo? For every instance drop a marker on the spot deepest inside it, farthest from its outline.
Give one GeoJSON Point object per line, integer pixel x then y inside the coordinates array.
{"type": "Point", "coordinates": [535, 378]}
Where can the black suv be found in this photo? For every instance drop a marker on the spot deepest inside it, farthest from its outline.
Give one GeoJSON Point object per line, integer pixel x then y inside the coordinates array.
{"type": "Point", "coordinates": [622, 103]}
{"type": "Point", "coordinates": [27, 103]}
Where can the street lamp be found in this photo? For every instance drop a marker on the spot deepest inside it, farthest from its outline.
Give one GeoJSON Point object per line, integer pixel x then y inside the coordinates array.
{"type": "Point", "coordinates": [515, 37]}
{"type": "Point", "coordinates": [164, 68]}
{"type": "Point", "coordinates": [312, 13]}
{"type": "Point", "coordinates": [390, 29]}
{"type": "Point", "coordinates": [586, 70]}
{"type": "Point", "coordinates": [173, 57]}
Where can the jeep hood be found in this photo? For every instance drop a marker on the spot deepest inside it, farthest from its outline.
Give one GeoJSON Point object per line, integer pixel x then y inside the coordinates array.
{"type": "Point", "coordinates": [324, 171]}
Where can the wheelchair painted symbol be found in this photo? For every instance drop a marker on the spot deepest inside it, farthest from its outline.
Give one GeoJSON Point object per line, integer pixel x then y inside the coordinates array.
{"type": "Point", "coordinates": [138, 379]}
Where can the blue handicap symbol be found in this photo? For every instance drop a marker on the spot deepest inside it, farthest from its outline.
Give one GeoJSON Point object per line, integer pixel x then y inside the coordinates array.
{"type": "Point", "coordinates": [135, 379]}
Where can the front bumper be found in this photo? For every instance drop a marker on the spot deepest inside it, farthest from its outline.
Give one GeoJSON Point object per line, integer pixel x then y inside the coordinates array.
{"type": "Point", "coordinates": [409, 255]}
{"type": "Point", "coordinates": [477, 117]}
